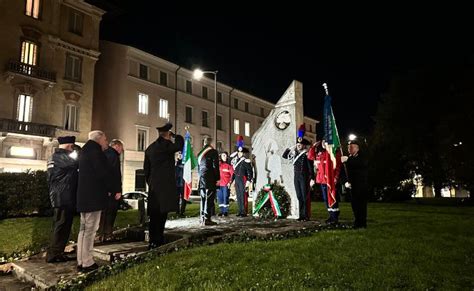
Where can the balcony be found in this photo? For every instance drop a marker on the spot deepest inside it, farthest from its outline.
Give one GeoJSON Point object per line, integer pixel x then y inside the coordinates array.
{"type": "Point", "coordinates": [29, 128]}
{"type": "Point", "coordinates": [31, 71]}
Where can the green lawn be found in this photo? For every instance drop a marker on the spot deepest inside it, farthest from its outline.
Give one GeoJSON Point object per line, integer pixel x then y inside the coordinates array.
{"type": "Point", "coordinates": [18, 235]}
{"type": "Point", "coordinates": [406, 246]}
{"type": "Point", "coordinates": [31, 233]}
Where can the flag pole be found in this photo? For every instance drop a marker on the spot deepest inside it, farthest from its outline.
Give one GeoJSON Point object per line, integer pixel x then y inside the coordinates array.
{"type": "Point", "coordinates": [325, 85]}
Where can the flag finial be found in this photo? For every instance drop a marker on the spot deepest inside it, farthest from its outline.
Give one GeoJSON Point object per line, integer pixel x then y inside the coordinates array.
{"type": "Point", "coordinates": [325, 85]}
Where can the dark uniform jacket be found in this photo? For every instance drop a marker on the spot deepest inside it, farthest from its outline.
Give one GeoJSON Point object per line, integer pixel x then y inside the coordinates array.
{"type": "Point", "coordinates": [302, 165]}
{"type": "Point", "coordinates": [160, 174]}
{"type": "Point", "coordinates": [209, 172]}
{"type": "Point", "coordinates": [242, 168]}
{"type": "Point", "coordinates": [357, 172]}
{"type": "Point", "coordinates": [62, 179]}
{"type": "Point", "coordinates": [113, 158]}
{"type": "Point", "coordinates": [94, 178]}
{"type": "Point", "coordinates": [179, 173]}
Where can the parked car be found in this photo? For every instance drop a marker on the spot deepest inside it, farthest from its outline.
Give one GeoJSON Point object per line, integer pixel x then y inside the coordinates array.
{"type": "Point", "coordinates": [131, 198]}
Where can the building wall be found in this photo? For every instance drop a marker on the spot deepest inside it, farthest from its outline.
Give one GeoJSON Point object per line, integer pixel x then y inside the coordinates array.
{"type": "Point", "coordinates": [50, 94]}
{"type": "Point", "coordinates": [118, 83]}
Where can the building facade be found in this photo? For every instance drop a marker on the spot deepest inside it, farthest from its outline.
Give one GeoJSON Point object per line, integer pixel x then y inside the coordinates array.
{"type": "Point", "coordinates": [135, 92]}
{"type": "Point", "coordinates": [48, 55]}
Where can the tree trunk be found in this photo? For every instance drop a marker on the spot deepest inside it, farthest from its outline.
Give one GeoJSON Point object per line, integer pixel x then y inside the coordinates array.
{"type": "Point", "coordinates": [437, 189]}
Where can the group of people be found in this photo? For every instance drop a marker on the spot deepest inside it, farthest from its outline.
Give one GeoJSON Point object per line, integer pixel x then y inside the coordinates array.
{"type": "Point", "coordinates": [311, 167]}
{"type": "Point", "coordinates": [163, 169]}
{"type": "Point", "coordinates": [89, 183]}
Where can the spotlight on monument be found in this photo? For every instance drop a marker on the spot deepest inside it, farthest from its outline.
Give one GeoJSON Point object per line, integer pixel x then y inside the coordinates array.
{"type": "Point", "coordinates": [352, 137]}
{"type": "Point", "coordinates": [197, 74]}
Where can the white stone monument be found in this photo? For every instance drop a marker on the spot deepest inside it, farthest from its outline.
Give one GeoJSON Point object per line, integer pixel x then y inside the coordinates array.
{"type": "Point", "coordinates": [278, 132]}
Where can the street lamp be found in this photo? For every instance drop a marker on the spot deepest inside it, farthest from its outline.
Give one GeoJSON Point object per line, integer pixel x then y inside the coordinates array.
{"type": "Point", "coordinates": [197, 75]}
{"type": "Point", "coordinates": [352, 137]}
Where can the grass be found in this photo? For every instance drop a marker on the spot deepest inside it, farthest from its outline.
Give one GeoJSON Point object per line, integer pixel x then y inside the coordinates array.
{"type": "Point", "coordinates": [406, 246]}
{"type": "Point", "coordinates": [18, 235]}
{"type": "Point", "coordinates": [32, 233]}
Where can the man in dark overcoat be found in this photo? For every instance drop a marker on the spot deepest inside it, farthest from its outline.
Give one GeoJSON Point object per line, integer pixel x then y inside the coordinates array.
{"type": "Point", "coordinates": [159, 168]}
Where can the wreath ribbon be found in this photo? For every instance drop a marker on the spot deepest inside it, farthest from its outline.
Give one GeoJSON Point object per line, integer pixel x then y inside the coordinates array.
{"type": "Point", "coordinates": [273, 201]}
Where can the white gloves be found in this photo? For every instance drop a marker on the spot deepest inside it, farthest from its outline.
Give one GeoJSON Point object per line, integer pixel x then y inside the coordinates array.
{"type": "Point", "coordinates": [348, 185]}
{"type": "Point", "coordinates": [311, 183]}
{"type": "Point", "coordinates": [344, 159]}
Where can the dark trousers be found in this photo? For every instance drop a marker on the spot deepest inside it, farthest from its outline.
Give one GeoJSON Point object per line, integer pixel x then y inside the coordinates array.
{"type": "Point", "coordinates": [182, 202]}
{"type": "Point", "coordinates": [359, 206]}
{"type": "Point", "coordinates": [301, 187]}
{"type": "Point", "coordinates": [334, 210]}
{"type": "Point", "coordinates": [208, 197]}
{"type": "Point", "coordinates": [62, 223]}
{"type": "Point", "coordinates": [107, 217]}
{"type": "Point", "coordinates": [241, 195]}
{"type": "Point", "coordinates": [156, 228]}
{"type": "Point", "coordinates": [223, 199]}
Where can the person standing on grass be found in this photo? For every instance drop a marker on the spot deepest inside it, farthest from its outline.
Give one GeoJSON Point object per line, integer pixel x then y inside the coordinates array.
{"type": "Point", "coordinates": [357, 181]}
{"type": "Point", "coordinates": [95, 183]}
{"type": "Point", "coordinates": [209, 176]}
{"type": "Point", "coordinates": [109, 214]}
{"type": "Point", "coordinates": [226, 172]}
{"type": "Point", "coordinates": [160, 175]}
{"type": "Point", "coordinates": [243, 176]}
{"type": "Point", "coordinates": [62, 181]}
{"type": "Point", "coordinates": [303, 173]}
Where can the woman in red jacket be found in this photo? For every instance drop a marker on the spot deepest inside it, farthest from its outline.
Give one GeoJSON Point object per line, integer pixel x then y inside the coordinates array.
{"type": "Point", "coordinates": [223, 193]}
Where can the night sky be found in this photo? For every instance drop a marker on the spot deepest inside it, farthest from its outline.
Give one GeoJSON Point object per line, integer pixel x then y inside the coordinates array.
{"type": "Point", "coordinates": [260, 51]}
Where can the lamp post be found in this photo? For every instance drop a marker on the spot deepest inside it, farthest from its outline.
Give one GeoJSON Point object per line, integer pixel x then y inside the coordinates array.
{"type": "Point", "coordinates": [197, 75]}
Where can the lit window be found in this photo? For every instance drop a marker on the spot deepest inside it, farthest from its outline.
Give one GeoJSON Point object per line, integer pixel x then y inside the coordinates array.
{"type": "Point", "coordinates": [247, 128]}
{"type": "Point", "coordinates": [163, 108]}
{"type": "Point", "coordinates": [71, 117]}
{"type": "Point", "coordinates": [25, 108]}
{"type": "Point", "coordinates": [29, 53]}
{"type": "Point", "coordinates": [236, 126]}
{"type": "Point", "coordinates": [142, 103]}
{"type": "Point", "coordinates": [32, 8]}
{"type": "Point", "coordinates": [22, 152]}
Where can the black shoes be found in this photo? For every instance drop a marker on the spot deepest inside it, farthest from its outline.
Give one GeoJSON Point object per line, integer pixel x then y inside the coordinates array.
{"type": "Point", "coordinates": [208, 222]}
{"type": "Point", "coordinates": [91, 268]}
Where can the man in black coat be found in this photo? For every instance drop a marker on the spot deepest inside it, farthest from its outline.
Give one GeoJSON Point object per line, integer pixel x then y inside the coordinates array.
{"type": "Point", "coordinates": [62, 180]}
{"type": "Point", "coordinates": [356, 165]}
{"type": "Point", "coordinates": [159, 168]}
{"type": "Point", "coordinates": [109, 214]}
{"type": "Point", "coordinates": [209, 175]}
{"type": "Point", "coordinates": [93, 188]}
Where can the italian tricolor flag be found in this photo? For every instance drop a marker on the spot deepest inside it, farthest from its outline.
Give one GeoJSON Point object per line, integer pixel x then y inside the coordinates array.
{"type": "Point", "coordinates": [332, 144]}
{"type": "Point", "coordinates": [190, 163]}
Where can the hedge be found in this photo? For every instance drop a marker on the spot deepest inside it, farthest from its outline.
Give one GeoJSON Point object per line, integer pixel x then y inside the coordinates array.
{"type": "Point", "coordinates": [24, 194]}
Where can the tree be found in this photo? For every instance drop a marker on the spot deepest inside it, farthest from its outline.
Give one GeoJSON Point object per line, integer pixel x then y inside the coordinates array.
{"type": "Point", "coordinates": [419, 121]}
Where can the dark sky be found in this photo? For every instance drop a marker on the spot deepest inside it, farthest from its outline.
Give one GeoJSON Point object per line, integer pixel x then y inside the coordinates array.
{"type": "Point", "coordinates": [262, 51]}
